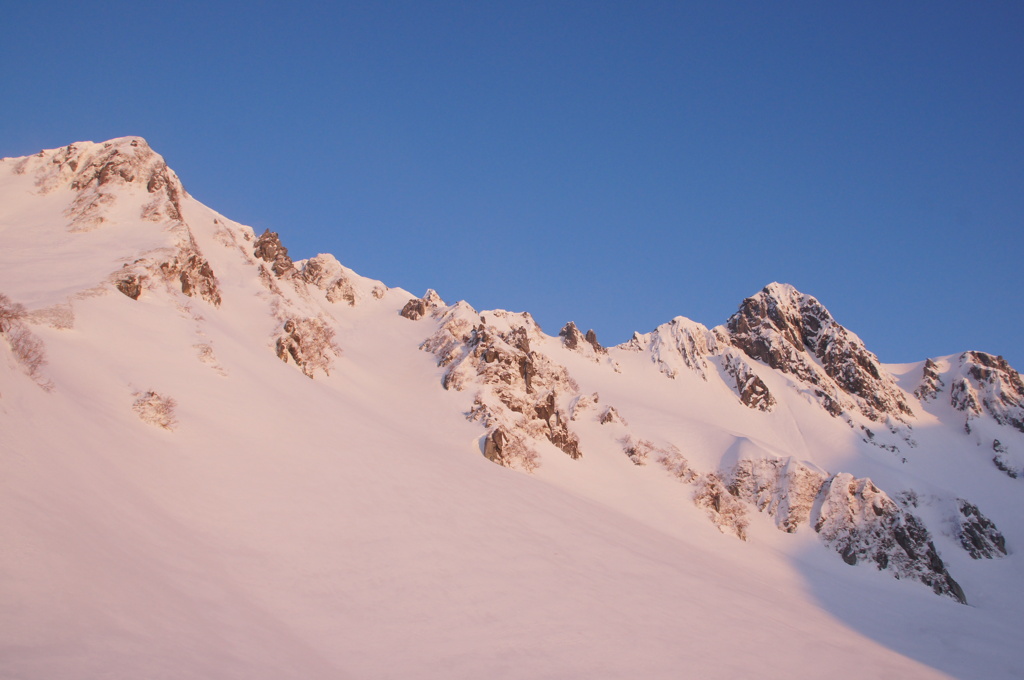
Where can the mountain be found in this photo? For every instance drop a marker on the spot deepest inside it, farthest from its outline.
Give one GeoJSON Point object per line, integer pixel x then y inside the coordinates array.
{"type": "Point", "coordinates": [222, 462]}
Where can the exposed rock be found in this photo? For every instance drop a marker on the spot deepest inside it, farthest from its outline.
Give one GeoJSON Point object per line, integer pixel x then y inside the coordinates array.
{"type": "Point", "coordinates": [337, 281]}
{"type": "Point", "coordinates": [963, 397]}
{"type": "Point", "coordinates": [574, 340]}
{"type": "Point", "coordinates": [978, 535]}
{"type": "Point", "coordinates": [558, 432]}
{"type": "Point", "coordinates": [414, 309]}
{"type": "Point", "coordinates": [1004, 461]}
{"type": "Point", "coordinates": [610, 415]}
{"type": "Point", "coordinates": [784, 329]}
{"type": "Point", "coordinates": [268, 247]}
{"type": "Point", "coordinates": [509, 451]}
{"type": "Point", "coordinates": [571, 336]}
{"type": "Point", "coordinates": [522, 391]}
{"type": "Point", "coordinates": [309, 342]}
{"type": "Point", "coordinates": [990, 385]}
{"type": "Point", "coordinates": [591, 338]}
{"type": "Point", "coordinates": [784, 488]}
{"type": "Point", "coordinates": [95, 171]}
{"type": "Point", "coordinates": [750, 388]}
{"type": "Point", "coordinates": [723, 509]}
{"type": "Point", "coordinates": [931, 383]}
{"type": "Point", "coordinates": [130, 285]}
{"type": "Point", "coordinates": [682, 344]}
{"type": "Point", "coordinates": [417, 308]}
{"type": "Point", "coordinates": [861, 523]}
{"type": "Point", "coordinates": [685, 345]}
{"type": "Point", "coordinates": [494, 444]}
{"type": "Point", "coordinates": [189, 269]}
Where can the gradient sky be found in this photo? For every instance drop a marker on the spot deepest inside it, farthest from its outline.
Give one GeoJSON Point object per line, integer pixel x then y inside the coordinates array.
{"type": "Point", "coordinates": [613, 163]}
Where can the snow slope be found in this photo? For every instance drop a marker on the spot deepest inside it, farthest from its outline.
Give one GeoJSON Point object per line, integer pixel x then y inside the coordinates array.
{"type": "Point", "coordinates": [352, 525]}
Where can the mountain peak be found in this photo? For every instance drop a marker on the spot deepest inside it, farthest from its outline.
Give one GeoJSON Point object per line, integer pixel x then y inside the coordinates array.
{"type": "Point", "coordinates": [794, 333]}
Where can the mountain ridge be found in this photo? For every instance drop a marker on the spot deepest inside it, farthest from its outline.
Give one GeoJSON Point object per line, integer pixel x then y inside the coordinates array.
{"type": "Point", "coordinates": [778, 420]}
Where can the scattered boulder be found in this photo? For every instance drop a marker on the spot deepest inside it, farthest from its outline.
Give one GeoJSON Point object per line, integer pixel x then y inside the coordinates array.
{"type": "Point", "coordinates": [130, 285]}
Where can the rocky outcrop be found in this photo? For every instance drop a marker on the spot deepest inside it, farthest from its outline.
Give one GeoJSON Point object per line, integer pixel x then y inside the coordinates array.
{"type": "Point", "coordinates": [1002, 460]}
{"type": "Point", "coordinates": [519, 391]}
{"type": "Point", "coordinates": [573, 339]}
{"type": "Point", "coordinates": [978, 535]}
{"type": "Point", "coordinates": [931, 383]}
{"type": "Point", "coordinates": [863, 524]}
{"type": "Point", "coordinates": [192, 272]}
{"type": "Point", "coordinates": [685, 345]}
{"type": "Point", "coordinates": [309, 342]}
{"type": "Point", "coordinates": [97, 173]}
{"type": "Point", "coordinates": [723, 509]}
{"type": "Point", "coordinates": [339, 283]}
{"type": "Point", "coordinates": [852, 516]}
{"type": "Point", "coordinates": [783, 488]}
{"type": "Point", "coordinates": [417, 308]}
{"type": "Point", "coordinates": [793, 333]}
{"type": "Point", "coordinates": [752, 391]}
{"type": "Point", "coordinates": [130, 284]}
{"type": "Point", "coordinates": [268, 247]}
{"type": "Point", "coordinates": [991, 385]}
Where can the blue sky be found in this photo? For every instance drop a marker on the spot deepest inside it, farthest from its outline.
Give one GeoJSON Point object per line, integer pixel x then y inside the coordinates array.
{"type": "Point", "coordinates": [612, 163]}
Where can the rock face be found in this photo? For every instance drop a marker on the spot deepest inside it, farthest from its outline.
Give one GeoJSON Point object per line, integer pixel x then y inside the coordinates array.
{"type": "Point", "coordinates": [573, 339]}
{"type": "Point", "coordinates": [130, 285]}
{"type": "Point", "coordinates": [978, 535]}
{"type": "Point", "coordinates": [794, 333]}
{"type": "Point", "coordinates": [338, 282]}
{"type": "Point", "coordinates": [988, 384]}
{"type": "Point", "coordinates": [417, 308]}
{"type": "Point", "coordinates": [931, 383]}
{"type": "Point", "coordinates": [861, 523]}
{"type": "Point", "coordinates": [268, 247]}
{"type": "Point", "coordinates": [855, 518]}
{"type": "Point", "coordinates": [685, 345]}
{"type": "Point", "coordinates": [189, 269]}
{"type": "Point", "coordinates": [522, 396]}
{"type": "Point", "coordinates": [752, 391]}
{"type": "Point", "coordinates": [784, 488]}
{"type": "Point", "coordinates": [127, 170]}
{"type": "Point", "coordinates": [986, 390]}
{"type": "Point", "coordinates": [99, 172]}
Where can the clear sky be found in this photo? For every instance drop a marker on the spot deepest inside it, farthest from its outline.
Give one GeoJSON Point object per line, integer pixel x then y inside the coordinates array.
{"type": "Point", "coordinates": [612, 163]}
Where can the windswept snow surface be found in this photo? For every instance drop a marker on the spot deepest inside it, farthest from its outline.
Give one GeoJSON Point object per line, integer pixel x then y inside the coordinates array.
{"type": "Point", "coordinates": [349, 526]}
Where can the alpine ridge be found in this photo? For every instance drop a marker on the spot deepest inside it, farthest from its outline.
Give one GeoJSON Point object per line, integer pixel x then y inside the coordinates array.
{"type": "Point", "coordinates": [220, 461]}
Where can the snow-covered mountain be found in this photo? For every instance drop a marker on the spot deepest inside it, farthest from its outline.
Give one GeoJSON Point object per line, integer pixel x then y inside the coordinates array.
{"type": "Point", "coordinates": [220, 462]}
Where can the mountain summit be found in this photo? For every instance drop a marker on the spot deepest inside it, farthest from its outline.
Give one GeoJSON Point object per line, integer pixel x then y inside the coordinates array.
{"type": "Point", "coordinates": [223, 462]}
